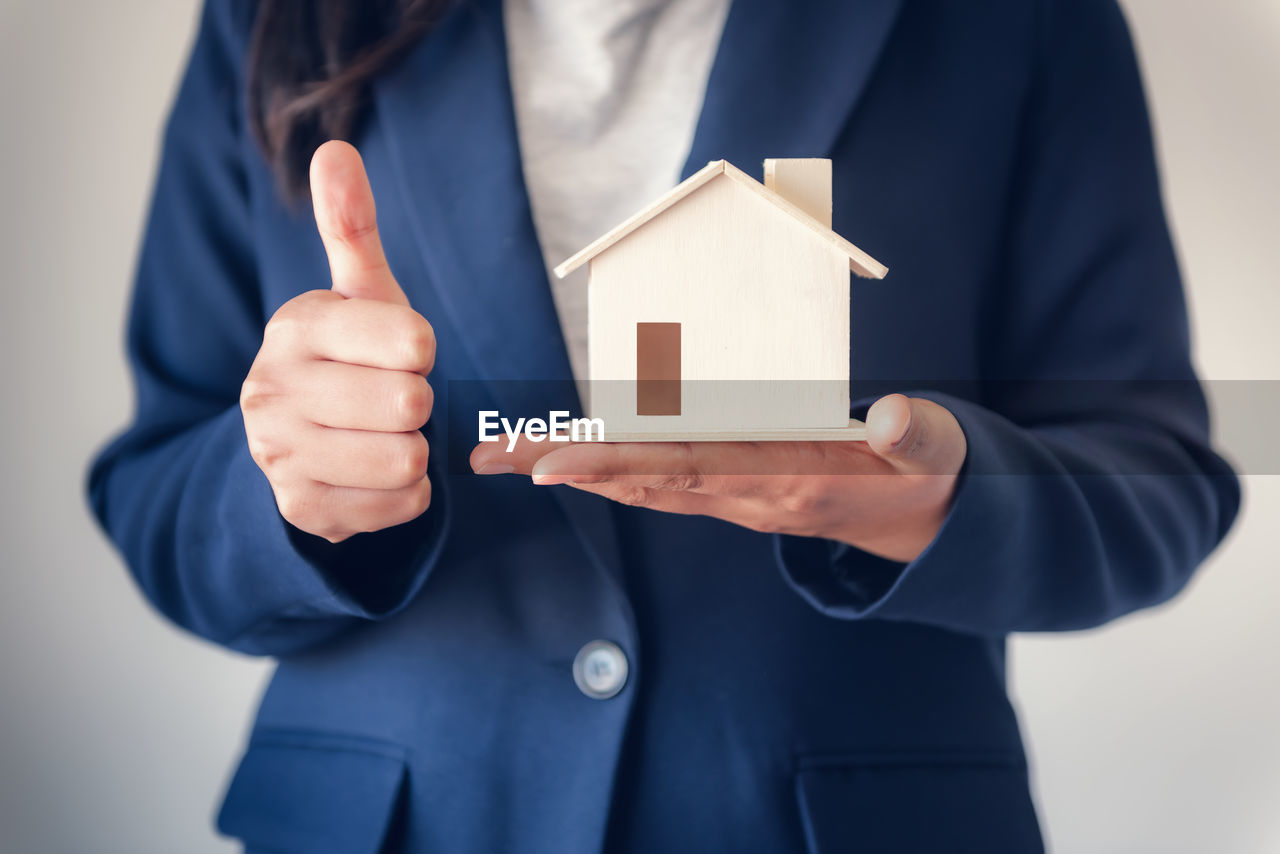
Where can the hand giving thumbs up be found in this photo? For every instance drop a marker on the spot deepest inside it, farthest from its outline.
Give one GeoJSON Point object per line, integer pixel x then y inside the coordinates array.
{"type": "Point", "coordinates": [335, 400]}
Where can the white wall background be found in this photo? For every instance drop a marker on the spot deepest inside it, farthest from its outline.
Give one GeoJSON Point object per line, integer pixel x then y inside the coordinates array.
{"type": "Point", "coordinates": [1160, 733]}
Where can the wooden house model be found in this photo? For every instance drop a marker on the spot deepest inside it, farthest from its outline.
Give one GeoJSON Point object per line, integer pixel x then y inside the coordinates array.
{"type": "Point", "coordinates": [721, 310]}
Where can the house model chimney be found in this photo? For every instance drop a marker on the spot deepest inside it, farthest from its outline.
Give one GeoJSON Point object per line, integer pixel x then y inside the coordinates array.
{"type": "Point", "coordinates": [803, 181]}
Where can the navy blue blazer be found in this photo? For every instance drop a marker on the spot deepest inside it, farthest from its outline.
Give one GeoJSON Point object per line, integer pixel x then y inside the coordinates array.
{"type": "Point", "coordinates": [785, 694]}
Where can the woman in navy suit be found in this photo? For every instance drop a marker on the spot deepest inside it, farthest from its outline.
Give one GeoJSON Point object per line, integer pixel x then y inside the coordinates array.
{"type": "Point", "coordinates": [474, 659]}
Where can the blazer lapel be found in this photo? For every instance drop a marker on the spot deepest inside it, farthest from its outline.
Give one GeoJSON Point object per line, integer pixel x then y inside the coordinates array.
{"type": "Point", "coordinates": [451, 136]}
{"type": "Point", "coordinates": [452, 139]}
{"type": "Point", "coordinates": [787, 77]}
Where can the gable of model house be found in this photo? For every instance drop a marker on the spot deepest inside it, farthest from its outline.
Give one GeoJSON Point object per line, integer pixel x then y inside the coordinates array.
{"type": "Point", "coordinates": [746, 297]}
{"type": "Point", "coordinates": [799, 188]}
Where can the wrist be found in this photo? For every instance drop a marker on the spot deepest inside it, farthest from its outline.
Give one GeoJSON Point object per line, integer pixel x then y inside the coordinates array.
{"type": "Point", "coordinates": [903, 532]}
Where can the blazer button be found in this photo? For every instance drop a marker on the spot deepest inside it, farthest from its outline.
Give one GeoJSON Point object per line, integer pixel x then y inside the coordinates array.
{"type": "Point", "coordinates": [600, 669]}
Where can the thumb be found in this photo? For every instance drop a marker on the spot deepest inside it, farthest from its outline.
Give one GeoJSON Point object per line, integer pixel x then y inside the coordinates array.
{"type": "Point", "coordinates": [915, 435]}
{"type": "Point", "coordinates": [348, 225]}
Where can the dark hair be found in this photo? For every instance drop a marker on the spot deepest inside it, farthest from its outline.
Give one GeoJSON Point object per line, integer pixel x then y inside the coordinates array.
{"type": "Point", "coordinates": [310, 65]}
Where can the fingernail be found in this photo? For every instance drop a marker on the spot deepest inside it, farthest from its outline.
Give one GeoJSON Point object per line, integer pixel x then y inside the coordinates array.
{"type": "Point", "coordinates": [551, 479]}
{"type": "Point", "coordinates": [495, 468]}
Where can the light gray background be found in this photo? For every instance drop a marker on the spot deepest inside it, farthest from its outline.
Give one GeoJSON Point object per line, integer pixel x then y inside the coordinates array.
{"type": "Point", "coordinates": [1160, 733]}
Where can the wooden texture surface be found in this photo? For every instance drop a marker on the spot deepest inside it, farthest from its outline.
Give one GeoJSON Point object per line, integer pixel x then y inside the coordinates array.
{"type": "Point", "coordinates": [803, 181]}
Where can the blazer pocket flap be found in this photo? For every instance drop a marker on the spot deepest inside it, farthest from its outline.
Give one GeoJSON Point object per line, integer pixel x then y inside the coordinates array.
{"type": "Point", "coordinates": [314, 794]}
{"type": "Point", "coordinates": [897, 804]}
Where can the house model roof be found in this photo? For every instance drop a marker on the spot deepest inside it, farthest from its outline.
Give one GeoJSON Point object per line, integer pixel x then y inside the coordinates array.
{"type": "Point", "coordinates": [859, 262]}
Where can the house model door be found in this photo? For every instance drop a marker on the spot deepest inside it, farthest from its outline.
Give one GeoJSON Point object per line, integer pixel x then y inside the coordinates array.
{"type": "Point", "coordinates": [657, 369]}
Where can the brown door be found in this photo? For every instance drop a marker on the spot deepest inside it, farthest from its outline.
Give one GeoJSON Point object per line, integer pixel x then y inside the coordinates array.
{"type": "Point", "coordinates": [657, 369]}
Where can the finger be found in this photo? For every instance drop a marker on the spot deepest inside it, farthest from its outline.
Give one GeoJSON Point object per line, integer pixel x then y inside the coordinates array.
{"type": "Point", "coordinates": [595, 461]}
{"type": "Point", "coordinates": [362, 459]}
{"type": "Point", "coordinates": [915, 436]}
{"type": "Point", "coordinates": [749, 513]}
{"type": "Point", "coordinates": [497, 455]}
{"type": "Point", "coordinates": [348, 224]}
{"type": "Point", "coordinates": [656, 465]}
{"type": "Point", "coordinates": [635, 494]}
{"type": "Point", "coordinates": [703, 466]}
{"type": "Point", "coordinates": [741, 469]}
{"type": "Point", "coordinates": [641, 467]}
{"type": "Point", "coordinates": [354, 397]}
{"type": "Point", "coordinates": [363, 332]}
{"type": "Point", "coordinates": [337, 512]}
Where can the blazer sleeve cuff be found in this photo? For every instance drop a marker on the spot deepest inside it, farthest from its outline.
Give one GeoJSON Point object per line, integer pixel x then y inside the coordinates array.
{"type": "Point", "coordinates": [372, 575]}
{"type": "Point", "coordinates": [845, 582]}
{"type": "Point", "coordinates": [268, 586]}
